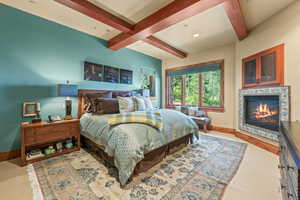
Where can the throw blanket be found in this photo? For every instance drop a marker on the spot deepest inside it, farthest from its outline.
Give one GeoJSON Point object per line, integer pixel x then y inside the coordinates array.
{"type": "Point", "coordinates": [153, 119]}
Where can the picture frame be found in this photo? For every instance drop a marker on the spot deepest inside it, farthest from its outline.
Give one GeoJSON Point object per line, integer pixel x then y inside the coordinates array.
{"type": "Point", "coordinates": [126, 76]}
{"type": "Point", "coordinates": [111, 74]}
{"type": "Point", "coordinates": [29, 109]}
{"type": "Point", "coordinates": [93, 72]}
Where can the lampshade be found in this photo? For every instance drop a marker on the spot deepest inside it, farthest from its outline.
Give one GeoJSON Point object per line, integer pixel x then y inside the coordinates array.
{"type": "Point", "coordinates": [67, 90]}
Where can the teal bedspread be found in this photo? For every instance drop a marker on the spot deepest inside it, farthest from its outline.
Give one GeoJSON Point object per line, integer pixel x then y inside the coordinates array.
{"type": "Point", "coordinates": [128, 143]}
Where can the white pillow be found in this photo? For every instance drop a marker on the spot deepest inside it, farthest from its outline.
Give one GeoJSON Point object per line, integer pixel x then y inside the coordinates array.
{"type": "Point", "coordinates": [148, 103]}
{"type": "Point", "coordinates": [140, 104]}
{"type": "Point", "coordinates": [126, 104]}
{"type": "Point", "coordinates": [143, 104]}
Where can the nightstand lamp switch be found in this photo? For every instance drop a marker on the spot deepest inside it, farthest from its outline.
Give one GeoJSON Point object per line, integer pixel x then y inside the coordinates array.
{"type": "Point", "coordinates": [68, 90]}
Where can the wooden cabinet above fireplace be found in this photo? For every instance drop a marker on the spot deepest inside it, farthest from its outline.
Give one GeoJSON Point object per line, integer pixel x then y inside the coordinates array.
{"type": "Point", "coordinates": [265, 68]}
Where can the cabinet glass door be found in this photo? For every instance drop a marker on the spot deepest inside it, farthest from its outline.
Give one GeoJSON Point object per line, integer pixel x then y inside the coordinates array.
{"type": "Point", "coordinates": [268, 67]}
{"type": "Point", "coordinates": [250, 72]}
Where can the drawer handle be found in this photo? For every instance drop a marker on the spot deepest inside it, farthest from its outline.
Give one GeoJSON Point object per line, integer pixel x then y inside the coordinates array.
{"type": "Point", "coordinates": [290, 195]}
{"type": "Point", "coordinates": [280, 167]}
{"type": "Point", "coordinates": [290, 168]}
{"type": "Point", "coordinates": [282, 147]}
{"type": "Point", "coordinates": [283, 187]}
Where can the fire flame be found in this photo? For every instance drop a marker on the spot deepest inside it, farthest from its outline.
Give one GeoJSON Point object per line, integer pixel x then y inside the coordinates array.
{"type": "Point", "coordinates": [264, 111]}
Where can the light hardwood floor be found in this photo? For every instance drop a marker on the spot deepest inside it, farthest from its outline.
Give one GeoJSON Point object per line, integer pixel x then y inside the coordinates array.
{"type": "Point", "coordinates": [256, 179]}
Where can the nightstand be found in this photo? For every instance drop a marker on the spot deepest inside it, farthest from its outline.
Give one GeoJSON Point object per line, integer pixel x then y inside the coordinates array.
{"type": "Point", "coordinates": [44, 134]}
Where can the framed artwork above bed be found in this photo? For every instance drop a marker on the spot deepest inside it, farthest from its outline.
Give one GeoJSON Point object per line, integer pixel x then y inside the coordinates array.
{"type": "Point", "coordinates": [105, 73]}
{"type": "Point", "coordinates": [111, 74]}
{"type": "Point", "coordinates": [126, 76]}
{"type": "Point", "coordinates": [93, 72]}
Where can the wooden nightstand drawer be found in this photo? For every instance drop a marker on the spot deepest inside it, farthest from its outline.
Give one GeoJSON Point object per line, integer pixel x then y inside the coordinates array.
{"type": "Point", "coordinates": [30, 132]}
{"type": "Point", "coordinates": [53, 131]}
{"type": "Point", "coordinates": [30, 141]}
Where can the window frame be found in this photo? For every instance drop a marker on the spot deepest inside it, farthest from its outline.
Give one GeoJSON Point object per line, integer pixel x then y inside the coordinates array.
{"type": "Point", "coordinates": [206, 108]}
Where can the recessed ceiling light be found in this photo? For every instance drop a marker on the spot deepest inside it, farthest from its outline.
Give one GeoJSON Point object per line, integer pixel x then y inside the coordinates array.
{"type": "Point", "coordinates": [196, 35]}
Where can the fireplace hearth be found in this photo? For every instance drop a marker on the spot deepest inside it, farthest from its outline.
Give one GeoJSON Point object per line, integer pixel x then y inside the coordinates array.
{"type": "Point", "coordinates": [262, 109]}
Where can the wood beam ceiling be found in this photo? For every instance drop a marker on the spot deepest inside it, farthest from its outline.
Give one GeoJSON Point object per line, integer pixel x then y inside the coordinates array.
{"type": "Point", "coordinates": [173, 13]}
{"type": "Point", "coordinates": [167, 16]}
{"type": "Point", "coordinates": [107, 18]}
{"type": "Point", "coordinates": [97, 13]}
{"type": "Point", "coordinates": [236, 17]}
{"type": "Point", "coordinates": [164, 46]}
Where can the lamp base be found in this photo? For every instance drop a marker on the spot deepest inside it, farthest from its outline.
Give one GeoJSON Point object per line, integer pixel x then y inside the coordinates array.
{"type": "Point", "coordinates": [68, 117]}
{"type": "Point", "coordinates": [68, 102]}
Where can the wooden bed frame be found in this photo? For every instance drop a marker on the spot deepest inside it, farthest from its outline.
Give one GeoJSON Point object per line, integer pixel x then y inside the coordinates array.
{"type": "Point", "coordinates": [150, 158]}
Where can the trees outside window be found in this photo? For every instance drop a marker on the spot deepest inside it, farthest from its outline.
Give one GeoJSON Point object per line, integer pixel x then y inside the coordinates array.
{"type": "Point", "coordinates": [204, 89]}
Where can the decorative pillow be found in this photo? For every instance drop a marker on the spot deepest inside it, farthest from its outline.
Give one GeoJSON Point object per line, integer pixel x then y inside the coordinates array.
{"type": "Point", "coordinates": [140, 104]}
{"type": "Point", "coordinates": [126, 104]}
{"type": "Point", "coordinates": [106, 106]}
{"type": "Point", "coordinates": [90, 98]}
{"type": "Point", "coordinates": [122, 94]}
{"type": "Point", "coordinates": [148, 103]}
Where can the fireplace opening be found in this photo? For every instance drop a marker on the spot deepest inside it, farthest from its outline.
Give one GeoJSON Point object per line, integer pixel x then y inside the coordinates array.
{"type": "Point", "coordinates": [262, 111]}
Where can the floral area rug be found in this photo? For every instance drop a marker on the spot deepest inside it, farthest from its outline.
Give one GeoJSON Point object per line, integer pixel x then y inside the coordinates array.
{"type": "Point", "coordinates": [200, 171]}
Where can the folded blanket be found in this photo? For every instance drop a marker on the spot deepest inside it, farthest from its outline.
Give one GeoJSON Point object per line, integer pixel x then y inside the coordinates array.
{"type": "Point", "coordinates": [153, 119]}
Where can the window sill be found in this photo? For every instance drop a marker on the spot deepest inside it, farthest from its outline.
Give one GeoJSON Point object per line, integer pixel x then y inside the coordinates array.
{"type": "Point", "coordinates": [213, 109]}
{"type": "Point", "coordinates": [208, 109]}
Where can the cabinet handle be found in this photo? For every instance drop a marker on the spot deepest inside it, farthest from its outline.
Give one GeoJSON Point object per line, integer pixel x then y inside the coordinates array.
{"type": "Point", "coordinates": [290, 168]}
{"type": "Point", "coordinates": [280, 167]}
{"type": "Point", "coordinates": [283, 187]}
{"type": "Point", "coordinates": [290, 195]}
{"type": "Point", "coordinates": [281, 148]}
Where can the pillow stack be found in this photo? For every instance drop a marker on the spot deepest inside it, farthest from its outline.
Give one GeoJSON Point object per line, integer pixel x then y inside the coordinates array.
{"type": "Point", "coordinates": [131, 104]}
{"type": "Point", "coordinates": [117, 102]}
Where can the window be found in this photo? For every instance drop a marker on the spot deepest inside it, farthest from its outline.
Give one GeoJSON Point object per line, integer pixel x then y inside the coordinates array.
{"type": "Point", "coordinates": [197, 85]}
{"type": "Point", "coordinates": [176, 90]}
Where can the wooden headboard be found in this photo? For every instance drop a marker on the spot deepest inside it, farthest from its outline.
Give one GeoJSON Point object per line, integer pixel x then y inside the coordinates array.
{"type": "Point", "coordinates": [82, 98]}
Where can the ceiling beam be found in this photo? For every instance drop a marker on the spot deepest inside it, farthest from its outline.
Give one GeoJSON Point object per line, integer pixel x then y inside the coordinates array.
{"type": "Point", "coordinates": [98, 14]}
{"type": "Point", "coordinates": [165, 46]}
{"type": "Point", "coordinates": [107, 18]}
{"type": "Point", "coordinates": [167, 16]}
{"type": "Point", "coordinates": [236, 17]}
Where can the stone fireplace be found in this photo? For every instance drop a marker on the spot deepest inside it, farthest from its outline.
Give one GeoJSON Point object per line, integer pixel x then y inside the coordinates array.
{"type": "Point", "coordinates": [262, 109]}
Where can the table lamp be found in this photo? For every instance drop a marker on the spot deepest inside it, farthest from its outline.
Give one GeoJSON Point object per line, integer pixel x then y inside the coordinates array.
{"type": "Point", "coordinates": [68, 90]}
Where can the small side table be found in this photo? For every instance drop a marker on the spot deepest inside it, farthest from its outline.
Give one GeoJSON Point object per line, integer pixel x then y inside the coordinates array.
{"type": "Point", "coordinates": [201, 122]}
{"type": "Point", "coordinates": [41, 135]}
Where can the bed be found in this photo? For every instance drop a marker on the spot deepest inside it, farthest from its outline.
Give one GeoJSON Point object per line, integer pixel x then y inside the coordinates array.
{"type": "Point", "coordinates": [134, 147]}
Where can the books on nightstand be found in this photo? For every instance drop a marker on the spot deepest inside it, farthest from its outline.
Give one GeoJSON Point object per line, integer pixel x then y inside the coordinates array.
{"type": "Point", "coordinates": [37, 153]}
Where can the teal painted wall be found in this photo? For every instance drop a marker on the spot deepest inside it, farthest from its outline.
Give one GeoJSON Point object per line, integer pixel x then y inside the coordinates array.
{"type": "Point", "coordinates": [36, 55]}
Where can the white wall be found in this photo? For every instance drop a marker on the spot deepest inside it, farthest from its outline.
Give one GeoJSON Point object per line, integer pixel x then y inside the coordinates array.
{"type": "Point", "coordinates": [223, 119]}
{"type": "Point", "coordinates": [281, 28]}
